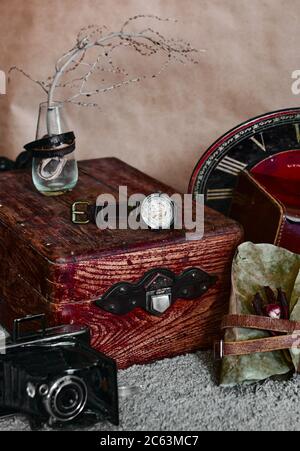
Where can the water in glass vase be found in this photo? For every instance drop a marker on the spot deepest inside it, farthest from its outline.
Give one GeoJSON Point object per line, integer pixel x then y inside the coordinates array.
{"type": "Point", "coordinates": [55, 175]}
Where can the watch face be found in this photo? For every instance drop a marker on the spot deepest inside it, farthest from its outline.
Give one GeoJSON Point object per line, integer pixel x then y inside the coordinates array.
{"type": "Point", "coordinates": [247, 147]}
{"type": "Point", "coordinates": [157, 211]}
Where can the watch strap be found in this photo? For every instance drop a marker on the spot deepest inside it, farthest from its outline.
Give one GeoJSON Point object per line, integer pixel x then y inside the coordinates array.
{"type": "Point", "coordinates": [94, 210]}
{"type": "Point", "coordinates": [84, 213]}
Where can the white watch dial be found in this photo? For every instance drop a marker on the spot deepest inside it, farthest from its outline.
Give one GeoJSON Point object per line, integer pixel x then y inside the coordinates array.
{"type": "Point", "coordinates": [157, 211]}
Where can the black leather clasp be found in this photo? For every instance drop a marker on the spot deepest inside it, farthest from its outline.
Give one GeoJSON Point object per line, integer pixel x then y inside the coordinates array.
{"type": "Point", "coordinates": [156, 291]}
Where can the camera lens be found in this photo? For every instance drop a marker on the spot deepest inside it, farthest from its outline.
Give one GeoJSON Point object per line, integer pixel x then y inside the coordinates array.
{"type": "Point", "coordinates": [66, 399]}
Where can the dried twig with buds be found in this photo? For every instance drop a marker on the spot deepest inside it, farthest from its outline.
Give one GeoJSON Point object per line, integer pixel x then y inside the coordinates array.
{"type": "Point", "coordinates": [146, 42]}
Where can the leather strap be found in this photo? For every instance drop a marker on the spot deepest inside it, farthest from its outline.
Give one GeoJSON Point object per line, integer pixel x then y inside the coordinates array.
{"type": "Point", "coordinates": [261, 345]}
{"type": "Point", "coordinates": [85, 212]}
{"type": "Point", "coordinates": [260, 323]}
{"type": "Point", "coordinates": [52, 146]}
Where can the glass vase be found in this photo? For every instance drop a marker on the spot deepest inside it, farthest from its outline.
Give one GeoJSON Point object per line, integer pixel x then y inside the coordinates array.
{"type": "Point", "coordinates": [57, 175]}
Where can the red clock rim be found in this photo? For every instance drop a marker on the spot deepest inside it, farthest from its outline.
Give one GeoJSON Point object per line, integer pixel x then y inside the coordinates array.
{"type": "Point", "coordinates": [229, 134]}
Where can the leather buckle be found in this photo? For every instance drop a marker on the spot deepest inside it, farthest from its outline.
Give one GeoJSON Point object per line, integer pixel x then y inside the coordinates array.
{"type": "Point", "coordinates": [76, 213]}
{"type": "Point", "coordinates": [219, 350]}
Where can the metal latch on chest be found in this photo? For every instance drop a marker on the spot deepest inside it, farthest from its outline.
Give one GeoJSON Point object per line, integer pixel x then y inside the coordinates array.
{"type": "Point", "coordinates": [156, 291]}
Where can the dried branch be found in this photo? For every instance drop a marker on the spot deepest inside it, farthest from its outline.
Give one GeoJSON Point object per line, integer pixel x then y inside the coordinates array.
{"type": "Point", "coordinates": [42, 84]}
{"type": "Point", "coordinates": [146, 42]}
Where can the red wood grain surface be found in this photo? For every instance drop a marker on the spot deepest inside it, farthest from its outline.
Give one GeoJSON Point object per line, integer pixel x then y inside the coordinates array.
{"type": "Point", "coordinates": [50, 265]}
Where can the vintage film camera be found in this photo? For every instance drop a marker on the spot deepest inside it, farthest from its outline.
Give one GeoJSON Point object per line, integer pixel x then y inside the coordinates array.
{"type": "Point", "coordinates": [54, 377]}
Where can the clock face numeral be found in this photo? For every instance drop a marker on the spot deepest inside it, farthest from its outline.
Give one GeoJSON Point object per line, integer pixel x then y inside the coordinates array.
{"type": "Point", "coordinates": [260, 143]}
{"type": "Point", "coordinates": [219, 194]}
{"type": "Point", "coordinates": [231, 166]}
{"type": "Point", "coordinates": [297, 128]}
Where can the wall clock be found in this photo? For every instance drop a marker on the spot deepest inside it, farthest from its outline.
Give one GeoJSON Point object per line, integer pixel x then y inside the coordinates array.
{"type": "Point", "coordinates": [245, 147]}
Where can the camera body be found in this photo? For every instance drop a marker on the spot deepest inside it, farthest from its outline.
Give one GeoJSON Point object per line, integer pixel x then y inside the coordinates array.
{"type": "Point", "coordinates": [53, 376]}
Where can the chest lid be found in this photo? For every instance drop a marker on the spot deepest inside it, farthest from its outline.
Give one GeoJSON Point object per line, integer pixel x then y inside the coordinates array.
{"type": "Point", "coordinates": [44, 223]}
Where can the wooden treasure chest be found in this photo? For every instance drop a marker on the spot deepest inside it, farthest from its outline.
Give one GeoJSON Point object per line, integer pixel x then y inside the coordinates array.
{"type": "Point", "coordinates": [145, 294]}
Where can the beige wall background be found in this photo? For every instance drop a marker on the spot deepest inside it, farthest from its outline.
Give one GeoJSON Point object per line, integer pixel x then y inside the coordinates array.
{"type": "Point", "coordinates": [161, 126]}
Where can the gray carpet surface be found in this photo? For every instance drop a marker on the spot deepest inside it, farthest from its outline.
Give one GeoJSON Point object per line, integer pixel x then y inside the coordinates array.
{"type": "Point", "coordinates": [181, 394]}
